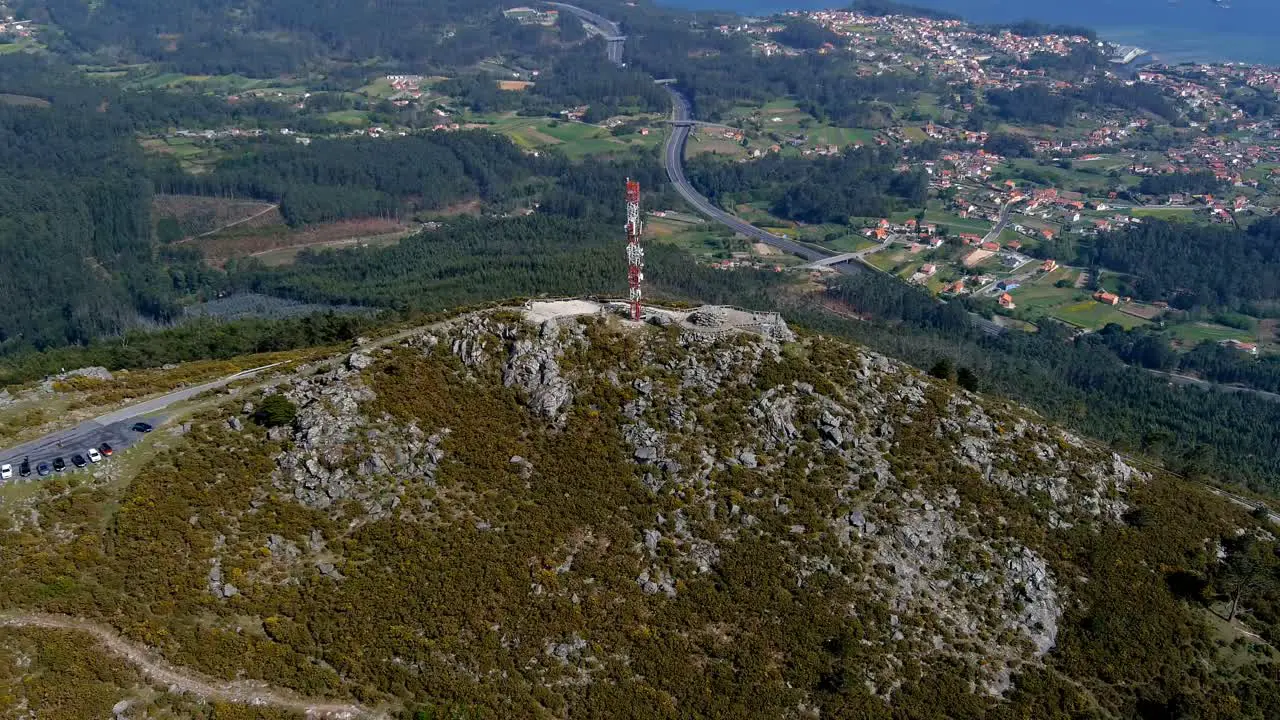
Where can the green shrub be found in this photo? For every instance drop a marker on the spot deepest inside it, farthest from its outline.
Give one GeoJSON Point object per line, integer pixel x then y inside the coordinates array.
{"type": "Point", "coordinates": [276, 410]}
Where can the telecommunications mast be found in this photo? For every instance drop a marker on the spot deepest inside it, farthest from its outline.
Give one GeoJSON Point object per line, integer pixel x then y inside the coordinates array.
{"type": "Point", "coordinates": [635, 253]}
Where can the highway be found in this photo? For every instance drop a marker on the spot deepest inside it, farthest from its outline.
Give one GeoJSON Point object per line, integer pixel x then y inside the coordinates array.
{"type": "Point", "coordinates": [613, 37]}
{"type": "Point", "coordinates": [681, 113]}
{"type": "Point", "coordinates": [675, 172]}
{"type": "Point", "coordinates": [112, 428]}
{"type": "Point", "coordinates": [682, 124]}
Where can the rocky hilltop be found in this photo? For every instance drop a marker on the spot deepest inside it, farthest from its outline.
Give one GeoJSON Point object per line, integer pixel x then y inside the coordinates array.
{"type": "Point", "coordinates": [553, 511]}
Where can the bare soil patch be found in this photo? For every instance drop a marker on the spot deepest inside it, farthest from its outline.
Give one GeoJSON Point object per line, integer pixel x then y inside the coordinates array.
{"type": "Point", "coordinates": [23, 100]}
{"type": "Point", "coordinates": [197, 214]}
{"type": "Point", "coordinates": [976, 257]}
{"type": "Point", "coordinates": [1146, 312]}
{"type": "Point", "coordinates": [242, 242]}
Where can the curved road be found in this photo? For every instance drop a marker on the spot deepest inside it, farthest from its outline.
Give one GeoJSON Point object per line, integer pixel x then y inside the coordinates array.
{"type": "Point", "coordinates": [675, 171]}
{"type": "Point", "coordinates": [111, 428]}
{"type": "Point", "coordinates": [612, 33]}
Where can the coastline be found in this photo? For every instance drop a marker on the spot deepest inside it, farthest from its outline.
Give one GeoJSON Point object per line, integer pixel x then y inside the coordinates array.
{"type": "Point", "coordinates": [1165, 44]}
{"type": "Point", "coordinates": [1171, 47]}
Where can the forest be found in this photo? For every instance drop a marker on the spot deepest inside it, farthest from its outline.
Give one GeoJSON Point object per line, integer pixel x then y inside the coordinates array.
{"type": "Point", "coordinates": [856, 183]}
{"type": "Point", "coordinates": [1196, 183]}
{"type": "Point", "coordinates": [276, 37]}
{"type": "Point", "coordinates": [577, 77]}
{"type": "Point", "coordinates": [1038, 105]}
{"type": "Point", "coordinates": [1193, 266]}
{"type": "Point", "coordinates": [365, 177]}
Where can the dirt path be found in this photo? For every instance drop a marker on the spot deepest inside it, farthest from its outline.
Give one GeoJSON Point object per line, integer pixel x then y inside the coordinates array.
{"type": "Point", "coordinates": [258, 214]}
{"type": "Point", "coordinates": [245, 692]}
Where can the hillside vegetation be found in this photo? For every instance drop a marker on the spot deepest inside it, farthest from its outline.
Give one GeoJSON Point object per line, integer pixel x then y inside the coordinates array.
{"type": "Point", "coordinates": [501, 518]}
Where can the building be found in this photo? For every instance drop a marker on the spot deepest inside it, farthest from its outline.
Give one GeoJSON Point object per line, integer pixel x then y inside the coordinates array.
{"type": "Point", "coordinates": [1048, 266]}
{"type": "Point", "coordinates": [1006, 301]}
{"type": "Point", "coordinates": [1241, 346]}
{"type": "Point", "coordinates": [1106, 298]}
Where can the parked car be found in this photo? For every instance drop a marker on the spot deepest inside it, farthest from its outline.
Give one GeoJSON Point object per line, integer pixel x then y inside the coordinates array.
{"type": "Point", "coordinates": [106, 449]}
{"type": "Point", "coordinates": [142, 427]}
{"type": "Point", "coordinates": [94, 455]}
{"type": "Point", "coordinates": [25, 468]}
{"type": "Point", "coordinates": [78, 460]}
{"type": "Point", "coordinates": [59, 464]}
{"type": "Point", "coordinates": [6, 471]}
{"type": "Point", "coordinates": [43, 469]}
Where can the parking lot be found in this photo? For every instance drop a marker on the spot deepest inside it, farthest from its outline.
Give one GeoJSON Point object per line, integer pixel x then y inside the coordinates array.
{"type": "Point", "coordinates": [112, 429]}
{"type": "Point", "coordinates": [68, 443]}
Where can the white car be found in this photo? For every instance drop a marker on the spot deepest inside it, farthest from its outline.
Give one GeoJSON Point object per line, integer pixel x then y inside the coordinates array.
{"type": "Point", "coordinates": [93, 455]}
{"type": "Point", "coordinates": [6, 471]}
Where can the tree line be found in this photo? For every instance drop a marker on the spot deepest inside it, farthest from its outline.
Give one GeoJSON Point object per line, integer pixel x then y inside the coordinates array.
{"type": "Point", "coordinates": [859, 182]}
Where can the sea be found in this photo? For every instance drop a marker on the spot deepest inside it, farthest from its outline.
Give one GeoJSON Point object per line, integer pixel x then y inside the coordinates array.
{"type": "Point", "coordinates": [1174, 31]}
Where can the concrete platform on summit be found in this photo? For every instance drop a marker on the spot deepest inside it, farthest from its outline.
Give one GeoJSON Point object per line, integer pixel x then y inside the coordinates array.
{"type": "Point", "coordinates": [708, 319]}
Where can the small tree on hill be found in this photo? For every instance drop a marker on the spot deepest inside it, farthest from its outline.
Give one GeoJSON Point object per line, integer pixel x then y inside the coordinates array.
{"type": "Point", "coordinates": [944, 369]}
{"type": "Point", "coordinates": [276, 410]}
{"type": "Point", "coordinates": [1249, 566]}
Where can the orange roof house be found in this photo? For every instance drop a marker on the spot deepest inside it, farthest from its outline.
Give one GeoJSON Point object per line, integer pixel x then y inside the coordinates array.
{"type": "Point", "coordinates": [1106, 298]}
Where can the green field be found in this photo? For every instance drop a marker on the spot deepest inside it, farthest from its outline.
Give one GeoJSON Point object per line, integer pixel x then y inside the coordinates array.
{"type": "Point", "coordinates": [1041, 294]}
{"type": "Point", "coordinates": [1041, 298]}
{"type": "Point", "coordinates": [954, 223]}
{"type": "Point", "coordinates": [379, 89]}
{"type": "Point", "coordinates": [1093, 314]}
{"type": "Point", "coordinates": [793, 121]}
{"type": "Point", "coordinates": [1165, 213]}
{"type": "Point", "coordinates": [19, 46]}
{"type": "Point", "coordinates": [1198, 332]}
{"type": "Point", "coordinates": [707, 243]}
{"type": "Point", "coordinates": [574, 139]}
{"type": "Point", "coordinates": [193, 156]}
{"type": "Point", "coordinates": [830, 135]}
{"type": "Point", "coordinates": [354, 118]}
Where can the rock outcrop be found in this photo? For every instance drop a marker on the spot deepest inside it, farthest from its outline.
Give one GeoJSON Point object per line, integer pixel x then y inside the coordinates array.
{"type": "Point", "coordinates": [724, 411]}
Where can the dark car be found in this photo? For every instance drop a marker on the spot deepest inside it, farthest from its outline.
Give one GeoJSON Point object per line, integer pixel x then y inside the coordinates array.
{"type": "Point", "coordinates": [142, 427]}
{"type": "Point", "coordinates": [106, 449]}
{"type": "Point", "coordinates": [25, 468]}
{"type": "Point", "coordinates": [43, 469]}
{"type": "Point", "coordinates": [59, 465]}
{"type": "Point", "coordinates": [78, 461]}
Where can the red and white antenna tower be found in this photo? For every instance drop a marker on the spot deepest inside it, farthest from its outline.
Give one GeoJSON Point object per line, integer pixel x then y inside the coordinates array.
{"type": "Point", "coordinates": [635, 253]}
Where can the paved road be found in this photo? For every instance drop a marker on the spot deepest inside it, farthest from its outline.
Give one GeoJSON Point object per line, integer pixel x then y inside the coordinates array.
{"type": "Point", "coordinates": [1243, 502]}
{"type": "Point", "coordinates": [112, 428]}
{"type": "Point", "coordinates": [1207, 385]}
{"type": "Point", "coordinates": [1001, 223]}
{"type": "Point", "coordinates": [675, 172]}
{"type": "Point", "coordinates": [612, 33]}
